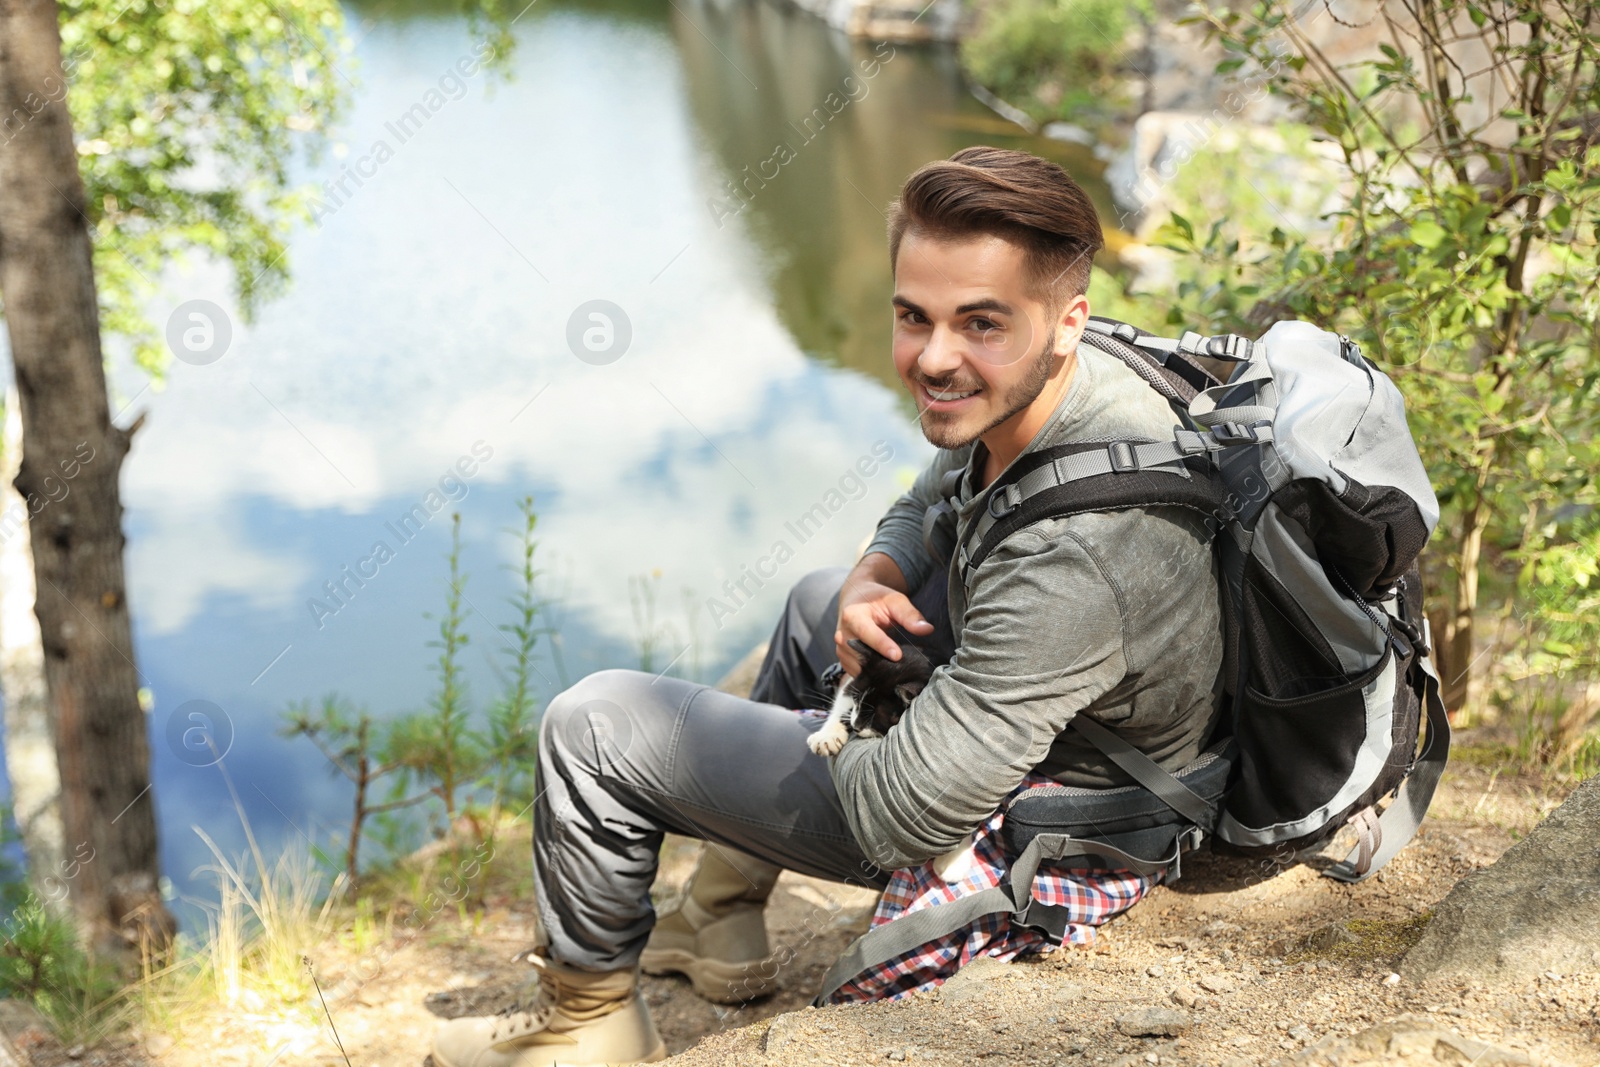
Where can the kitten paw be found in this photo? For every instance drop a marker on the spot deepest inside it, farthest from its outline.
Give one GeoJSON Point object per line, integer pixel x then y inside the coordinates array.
{"type": "Point", "coordinates": [828, 740]}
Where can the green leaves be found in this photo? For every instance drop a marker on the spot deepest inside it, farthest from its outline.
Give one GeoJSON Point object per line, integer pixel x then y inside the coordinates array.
{"type": "Point", "coordinates": [182, 114]}
{"type": "Point", "coordinates": [1469, 270]}
{"type": "Point", "coordinates": [1056, 59]}
{"type": "Point", "coordinates": [1427, 233]}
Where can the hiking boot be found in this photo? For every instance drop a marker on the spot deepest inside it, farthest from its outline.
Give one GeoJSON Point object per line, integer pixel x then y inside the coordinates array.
{"type": "Point", "coordinates": [572, 1019]}
{"type": "Point", "coordinates": [717, 934]}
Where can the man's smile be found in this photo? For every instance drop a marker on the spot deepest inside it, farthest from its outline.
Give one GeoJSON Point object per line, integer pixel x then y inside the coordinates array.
{"type": "Point", "coordinates": [946, 398]}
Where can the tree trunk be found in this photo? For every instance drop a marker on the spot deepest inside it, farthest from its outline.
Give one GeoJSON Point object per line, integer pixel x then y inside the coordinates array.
{"type": "Point", "coordinates": [1458, 658]}
{"type": "Point", "coordinates": [71, 457]}
{"type": "Point", "coordinates": [29, 734]}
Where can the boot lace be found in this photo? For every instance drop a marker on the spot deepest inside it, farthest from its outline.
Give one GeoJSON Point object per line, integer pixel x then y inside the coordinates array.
{"type": "Point", "coordinates": [533, 1007]}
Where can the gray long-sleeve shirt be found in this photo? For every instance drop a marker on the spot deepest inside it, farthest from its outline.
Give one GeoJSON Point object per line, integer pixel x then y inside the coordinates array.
{"type": "Point", "coordinates": [1112, 614]}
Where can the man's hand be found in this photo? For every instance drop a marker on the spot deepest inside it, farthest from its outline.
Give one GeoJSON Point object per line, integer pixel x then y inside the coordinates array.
{"type": "Point", "coordinates": [873, 600]}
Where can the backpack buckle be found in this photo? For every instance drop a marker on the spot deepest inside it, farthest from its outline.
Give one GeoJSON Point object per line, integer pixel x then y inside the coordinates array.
{"type": "Point", "coordinates": [1005, 502]}
{"type": "Point", "coordinates": [1123, 458]}
{"type": "Point", "coordinates": [1229, 346]}
{"type": "Point", "coordinates": [1237, 433]}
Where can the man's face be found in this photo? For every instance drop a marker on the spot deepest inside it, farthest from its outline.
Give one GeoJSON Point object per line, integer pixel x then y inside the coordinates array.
{"type": "Point", "coordinates": [971, 343]}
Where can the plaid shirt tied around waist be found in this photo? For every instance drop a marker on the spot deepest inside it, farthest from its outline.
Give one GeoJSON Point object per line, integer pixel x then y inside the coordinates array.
{"type": "Point", "coordinates": [1092, 896]}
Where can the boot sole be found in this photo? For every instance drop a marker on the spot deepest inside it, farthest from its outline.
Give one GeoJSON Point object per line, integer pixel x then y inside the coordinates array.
{"type": "Point", "coordinates": [716, 981]}
{"type": "Point", "coordinates": [659, 1053]}
{"type": "Point", "coordinates": [656, 1055]}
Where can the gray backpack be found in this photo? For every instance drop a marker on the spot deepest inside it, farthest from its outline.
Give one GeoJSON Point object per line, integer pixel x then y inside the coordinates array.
{"type": "Point", "coordinates": [1296, 448]}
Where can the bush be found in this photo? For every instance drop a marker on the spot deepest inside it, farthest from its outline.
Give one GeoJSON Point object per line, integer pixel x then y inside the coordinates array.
{"type": "Point", "coordinates": [1052, 58]}
{"type": "Point", "coordinates": [1463, 256]}
{"type": "Point", "coordinates": [41, 962]}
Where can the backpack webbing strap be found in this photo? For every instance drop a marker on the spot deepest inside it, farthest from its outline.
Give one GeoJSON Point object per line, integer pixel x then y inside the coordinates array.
{"type": "Point", "coordinates": [1013, 897]}
{"type": "Point", "coordinates": [1068, 467]}
{"type": "Point", "coordinates": [1147, 772]}
{"type": "Point", "coordinates": [1245, 414]}
{"type": "Point", "coordinates": [1398, 823]}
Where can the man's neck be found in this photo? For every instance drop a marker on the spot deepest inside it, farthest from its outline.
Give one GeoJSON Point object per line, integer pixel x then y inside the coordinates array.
{"type": "Point", "coordinates": [1005, 442]}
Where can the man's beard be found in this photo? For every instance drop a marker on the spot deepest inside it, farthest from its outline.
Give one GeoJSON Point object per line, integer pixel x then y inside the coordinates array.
{"type": "Point", "coordinates": [1025, 392]}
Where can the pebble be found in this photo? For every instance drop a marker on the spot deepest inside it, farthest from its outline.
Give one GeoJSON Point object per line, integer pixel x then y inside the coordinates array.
{"type": "Point", "coordinates": [1393, 979]}
{"type": "Point", "coordinates": [897, 1054]}
{"type": "Point", "coordinates": [1187, 995]}
{"type": "Point", "coordinates": [1155, 970]}
{"type": "Point", "coordinates": [1217, 983]}
{"type": "Point", "coordinates": [1153, 1022]}
{"type": "Point", "coordinates": [1301, 1033]}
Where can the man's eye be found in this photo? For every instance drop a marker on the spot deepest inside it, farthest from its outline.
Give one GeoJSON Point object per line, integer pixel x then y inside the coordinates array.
{"type": "Point", "coordinates": [910, 318]}
{"type": "Point", "coordinates": [984, 325]}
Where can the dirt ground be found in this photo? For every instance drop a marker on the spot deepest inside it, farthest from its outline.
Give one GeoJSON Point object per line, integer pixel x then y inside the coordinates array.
{"type": "Point", "coordinates": [1258, 968]}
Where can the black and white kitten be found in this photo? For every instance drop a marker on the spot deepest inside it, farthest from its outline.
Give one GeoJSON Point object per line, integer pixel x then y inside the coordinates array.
{"type": "Point", "coordinates": [871, 704]}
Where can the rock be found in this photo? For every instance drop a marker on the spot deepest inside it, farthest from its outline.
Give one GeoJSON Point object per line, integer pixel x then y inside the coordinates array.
{"type": "Point", "coordinates": [1061, 995]}
{"type": "Point", "coordinates": [158, 1045]}
{"type": "Point", "coordinates": [1551, 873]}
{"type": "Point", "coordinates": [1409, 1040]}
{"type": "Point", "coordinates": [1153, 1022]}
{"type": "Point", "coordinates": [888, 20]}
{"type": "Point", "coordinates": [1187, 996]}
{"type": "Point", "coordinates": [783, 1032]}
{"type": "Point", "coordinates": [1155, 971]}
{"type": "Point", "coordinates": [1217, 983]}
{"type": "Point", "coordinates": [975, 980]}
{"type": "Point", "coordinates": [1301, 1033]}
{"type": "Point", "coordinates": [1141, 176]}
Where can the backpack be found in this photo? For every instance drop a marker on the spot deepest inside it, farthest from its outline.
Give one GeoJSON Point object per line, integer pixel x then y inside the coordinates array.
{"type": "Point", "coordinates": [1296, 449]}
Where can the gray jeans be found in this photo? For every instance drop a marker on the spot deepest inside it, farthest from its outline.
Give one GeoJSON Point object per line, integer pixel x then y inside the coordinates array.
{"type": "Point", "coordinates": [625, 757]}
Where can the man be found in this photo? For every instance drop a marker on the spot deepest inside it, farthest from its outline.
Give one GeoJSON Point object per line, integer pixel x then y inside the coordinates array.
{"type": "Point", "coordinates": [1114, 615]}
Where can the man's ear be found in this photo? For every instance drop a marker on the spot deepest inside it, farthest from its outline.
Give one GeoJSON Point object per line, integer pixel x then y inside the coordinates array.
{"type": "Point", "coordinates": [1071, 323]}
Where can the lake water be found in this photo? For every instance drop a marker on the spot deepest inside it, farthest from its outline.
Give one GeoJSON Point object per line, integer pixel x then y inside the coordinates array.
{"type": "Point", "coordinates": [427, 325]}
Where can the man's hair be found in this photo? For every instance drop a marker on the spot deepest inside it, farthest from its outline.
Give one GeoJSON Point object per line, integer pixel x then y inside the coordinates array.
{"type": "Point", "coordinates": [1020, 197]}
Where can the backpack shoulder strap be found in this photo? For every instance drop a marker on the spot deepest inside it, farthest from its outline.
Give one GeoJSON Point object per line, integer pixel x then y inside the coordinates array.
{"type": "Point", "coordinates": [1076, 478]}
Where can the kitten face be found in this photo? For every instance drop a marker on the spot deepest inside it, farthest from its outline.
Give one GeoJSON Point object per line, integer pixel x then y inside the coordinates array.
{"type": "Point", "coordinates": [885, 688]}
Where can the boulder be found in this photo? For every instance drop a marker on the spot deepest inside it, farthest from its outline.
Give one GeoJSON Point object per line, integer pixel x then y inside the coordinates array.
{"type": "Point", "coordinates": [1536, 909]}
{"type": "Point", "coordinates": [1407, 1040]}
